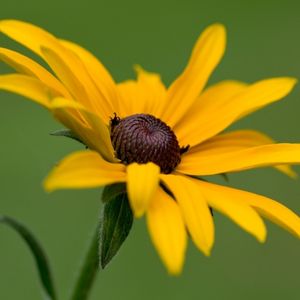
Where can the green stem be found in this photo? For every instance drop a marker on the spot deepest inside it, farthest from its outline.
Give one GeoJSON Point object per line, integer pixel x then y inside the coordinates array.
{"type": "Point", "coordinates": [88, 270]}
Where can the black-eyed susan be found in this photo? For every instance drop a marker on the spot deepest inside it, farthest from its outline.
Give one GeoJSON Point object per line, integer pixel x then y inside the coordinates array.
{"type": "Point", "coordinates": [157, 138]}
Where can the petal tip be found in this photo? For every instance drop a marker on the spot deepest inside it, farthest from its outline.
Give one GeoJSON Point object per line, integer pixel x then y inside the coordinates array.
{"type": "Point", "coordinates": [218, 26]}
{"type": "Point", "coordinates": [138, 213]}
{"type": "Point", "coordinates": [48, 186]}
{"type": "Point", "coordinates": [288, 82]}
{"type": "Point", "coordinates": [207, 252]}
{"type": "Point", "coordinates": [292, 81]}
{"type": "Point", "coordinates": [262, 237]}
{"type": "Point", "coordinates": [219, 30]}
{"type": "Point", "coordinates": [294, 175]}
{"type": "Point", "coordinates": [175, 270]}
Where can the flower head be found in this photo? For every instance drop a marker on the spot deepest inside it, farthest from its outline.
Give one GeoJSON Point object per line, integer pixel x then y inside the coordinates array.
{"type": "Point", "coordinates": [157, 139]}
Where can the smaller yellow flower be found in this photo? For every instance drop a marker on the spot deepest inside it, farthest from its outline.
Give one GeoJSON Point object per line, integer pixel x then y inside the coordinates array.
{"type": "Point", "coordinates": [157, 139]}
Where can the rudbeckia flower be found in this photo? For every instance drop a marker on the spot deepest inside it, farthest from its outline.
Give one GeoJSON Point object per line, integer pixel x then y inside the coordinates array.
{"type": "Point", "coordinates": [159, 140]}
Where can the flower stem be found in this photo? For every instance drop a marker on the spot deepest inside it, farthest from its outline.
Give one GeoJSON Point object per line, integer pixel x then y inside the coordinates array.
{"type": "Point", "coordinates": [88, 270]}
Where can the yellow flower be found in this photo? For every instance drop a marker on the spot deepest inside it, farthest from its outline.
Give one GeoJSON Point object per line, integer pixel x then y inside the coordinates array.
{"type": "Point", "coordinates": [156, 139]}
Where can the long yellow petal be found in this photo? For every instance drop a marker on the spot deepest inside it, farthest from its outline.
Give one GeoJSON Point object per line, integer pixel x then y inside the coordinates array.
{"type": "Point", "coordinates": [36, 38]}
{"type": "Point", "coordinates": [184, 91]}
{"type": "Point", "coordinates": [220, 199]}
{"type": "Point", "coordinates": [28, 35]}
{"type": "Point", "coordinates": [82, 91]}
{"type": "Point", "coordinates": [206, 163]}
{"type": "Point", "coordinates": [84, 169]}
{"type": "Point", "coordinates": [249, 99]}
{"type": "Point", "coordinates": [99, 74]}
{"type": "Point", "coordinates": [271, 209]}
{"type": "Point", "coordinates": [94, 133]}
{"type": "Point", "coordinates": [238, 140]}
{"type": "Point", "coordinates": [194, 208]}
{"type": "Point", "coordinates": [60, 58]}
{"type": "Point", "coordinates": [27, 66]}
{"type": "Point", "coordinates": [65, 74]}
{"type": "Point", "coordinates": [28, 87]}
{"type": "Point", "coordinates": [145, 95]}
{"type": "Point", "coordinates": [204, 109]}
{"type": "Point", "coordinates": [142, 184]}
{"type": "Point", "coordinates": [167, 231]}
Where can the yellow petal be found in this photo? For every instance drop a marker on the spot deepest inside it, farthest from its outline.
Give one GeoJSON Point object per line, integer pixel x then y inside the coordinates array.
{"type": "Point", "coordinates": [65, 74]}
{"type": "Point", "coordinates": [167, 231]}
{"type": "Point", "coordinates": [248, 100]}
{"type": "Point", "coordinates": [192, 126]}
{"type": "Point", "coordinates": [220, 198]}
{"type": "Point", "coordinates": [26, 66]}
{"type": "Point", "coordinates": [184, 91]}
{"type": "Point", "coordinates": [145, 95]}
{"type": "Point", "coordinates": [154, 91]}
{"type": "Point", "coordinates": [28, 87]}
{"type": "Point", "coordinates": [238, 140]}
{"type": "Point", "coordinates": [194, 208]}
{"type": "Point", "coordinates": [272, 210]}
{"type": "Point", "coordinates": [206, 163]}
{"type": "Point", "coordinates": [82, 91]}
{"type": "Point", "coordinates": [60, 58]}
{"type": "Point", "coordinates": [84, 169]}
{"type": "Point", "coordinates": [142, 184]}
{"type": "Point", "coordinates": [100, 76]}
{"type": "Point", "coordinates": [28, 35]}
{"type": "Point", "coordinates": [94, 133]}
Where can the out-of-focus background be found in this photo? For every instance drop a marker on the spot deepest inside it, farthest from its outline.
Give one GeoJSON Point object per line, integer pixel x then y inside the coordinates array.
{"type": "Point", "coordinates": [263, 41]}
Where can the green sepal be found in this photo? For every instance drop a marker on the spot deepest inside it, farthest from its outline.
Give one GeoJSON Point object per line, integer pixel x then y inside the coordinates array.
{"type": "Point", "coordinates": [38, 254]}
{"type": "Point", "coordinates": [112, 191]}
{"type": "Point", "coordinates": [67, 133]}
{"type": "Point", "coordinates": [115, 224]}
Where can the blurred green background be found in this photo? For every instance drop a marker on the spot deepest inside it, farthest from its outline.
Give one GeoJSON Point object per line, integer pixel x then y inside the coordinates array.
{"type": "Point", "coordinates": [263, 41]}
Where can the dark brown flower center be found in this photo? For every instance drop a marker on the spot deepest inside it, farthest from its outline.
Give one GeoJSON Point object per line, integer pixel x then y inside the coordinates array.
{"type": "Point", "coordinates": [143, 138]}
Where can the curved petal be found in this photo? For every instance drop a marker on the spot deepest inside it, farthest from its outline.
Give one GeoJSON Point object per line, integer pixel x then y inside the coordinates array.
{"type": "Point", "coordinates": [204, 110]}
{"type": "Point", "coordinates": [184, 91]}
{"type": "Point", "coordinates": [238, 140]}
{"type": "Point", "coordinates": [167, 231]}
{"type": "Point", "coordinates": [142, 184]}
{"type": "Point", "coordinates": [248, 100]}
{"type": "Point", "coordinates": [194, 208]}
{"type": "Point", "coordinates": [81, 91]}
{"type": "Point", "coordinates": [272, 210]}
{"type": "Point", "coordinates": [220, 199]}
{"type": "Point", "coordinates": [206, 163]}
{"type": "Point", "coordinates": [100, 76]}
{"type": "Point", "coordinates": [60, 59]}
{"type": "Point", "coordinates": [28, 87]}
{"type": "Point", "coordinates": [27, 66]}
{"type": "Point", "coordinates": [28, 35]}
{"type": "Point", "coordinates": [145, 95]}
{"type": "Point", "coordinates": [88, 126]}
{"type": "Point", "coordinates": [84, 169]}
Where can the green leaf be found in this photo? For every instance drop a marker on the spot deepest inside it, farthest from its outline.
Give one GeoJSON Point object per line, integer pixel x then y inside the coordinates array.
{"type": "Point", "coordinates": [112, 191]}
{"type": "Point", "coordinates": [115, 226]}
{"type": "Point", "coordinates": [67, 133]}
{"type": "Point", "coordinates": [38, 254]}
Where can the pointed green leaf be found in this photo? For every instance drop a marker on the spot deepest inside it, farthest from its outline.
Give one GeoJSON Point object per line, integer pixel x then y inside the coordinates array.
{"type": "Point", "coordinates": [116, 222]}
{"type": "Point", "coordinates": [38, 254]}
{"type": "Point", "coordinates": [112, 191]}
{"type": "Point", "coordinates": [66, 133]}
